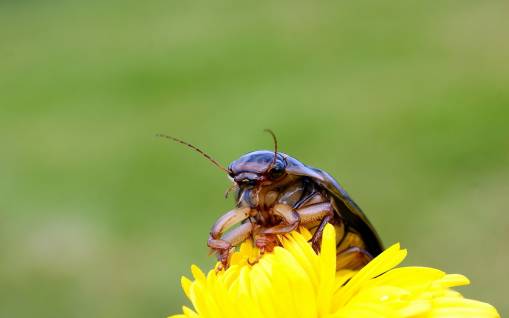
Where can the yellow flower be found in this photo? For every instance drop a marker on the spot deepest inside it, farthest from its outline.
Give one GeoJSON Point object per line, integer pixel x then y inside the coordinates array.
{"type": "Point", "coordinates": [293, 281]}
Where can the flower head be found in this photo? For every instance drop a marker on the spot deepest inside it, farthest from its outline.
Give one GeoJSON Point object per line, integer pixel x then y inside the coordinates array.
{"type": "Point", "coordinates": [294, 281]}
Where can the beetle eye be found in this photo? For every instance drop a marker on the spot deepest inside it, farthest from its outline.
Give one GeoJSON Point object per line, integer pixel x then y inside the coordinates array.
{"type": "Point", "coordinates": [276, 171]}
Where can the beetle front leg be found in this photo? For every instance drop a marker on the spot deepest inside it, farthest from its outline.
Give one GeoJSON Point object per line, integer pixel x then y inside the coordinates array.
{"type": "Point", "coordinates": [322, 212]}
{"type": "Point", "coordinates": [223, 245]}
{"type": "Point", "coordinates": [229, 240]}
{"type": "Point", "coordinates": [228, 220]}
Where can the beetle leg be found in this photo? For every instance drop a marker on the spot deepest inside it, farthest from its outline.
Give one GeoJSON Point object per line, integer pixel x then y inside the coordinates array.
{"type": "Point", "coordinates": [266, 243]}
{"type": "Point", "coordinates": [317, 237]}
{"type": "Point", "coordinates": [291, 220]}
{"type": "Point", "coordinates": [231, 238]}
{"type": "Point", "coordinates": [238, 234]}
{"type": "Point", "coordinates": [292, 194]}
{"type": "Point", "coordinates": [313, 198]}
{"type": "Point", "coordinates": [352, 258]}
{"type": "Point", "coordinates": [266, 240]}
{"type": "Point", "coordinates": [228, 220]}
{"type": "Point", "coordinates": [222, 248]}
{"type": "Point", "coordinates": [224, 245]}
{"type": "Point", "coordinates": [322, 212]}
{"type": "Point", "coordinates": [314, 212]}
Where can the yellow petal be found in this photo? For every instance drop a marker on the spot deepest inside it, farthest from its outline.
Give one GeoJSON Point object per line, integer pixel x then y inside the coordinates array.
{"type": "Point", "coordinates": [293, 281]}
{"type": "Point", "coordinates": [388, 259]}
{"type": "Point", "coordinates": [186, 285]}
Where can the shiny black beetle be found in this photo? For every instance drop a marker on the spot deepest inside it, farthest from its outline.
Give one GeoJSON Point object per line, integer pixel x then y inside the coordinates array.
{"type": "Point", "coordinates": [275, 194]}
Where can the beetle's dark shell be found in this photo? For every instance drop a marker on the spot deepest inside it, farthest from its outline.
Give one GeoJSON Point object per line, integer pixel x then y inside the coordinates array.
{"type": "Point", "coordinates": [255, 161]}
{"type": "Point", "coordinates": [352, 213]}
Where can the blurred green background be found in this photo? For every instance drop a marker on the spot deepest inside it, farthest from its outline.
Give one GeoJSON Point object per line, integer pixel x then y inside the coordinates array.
{"type": "Point", "coordinates": [406, 103]}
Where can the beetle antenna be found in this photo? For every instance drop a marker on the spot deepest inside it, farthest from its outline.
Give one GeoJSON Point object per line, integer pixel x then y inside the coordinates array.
{"type": "Point", "coordinates": [275, 145]}
{"type": "Point", "coordinates": [197, 150]}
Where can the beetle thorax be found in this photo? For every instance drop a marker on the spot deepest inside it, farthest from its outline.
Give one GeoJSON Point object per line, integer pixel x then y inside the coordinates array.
{"type": "Point", "coordinates": [261, 199]}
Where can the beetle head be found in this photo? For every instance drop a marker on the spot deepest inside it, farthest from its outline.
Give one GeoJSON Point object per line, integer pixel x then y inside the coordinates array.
{"type": "Point", "coordinates": [258, 167]}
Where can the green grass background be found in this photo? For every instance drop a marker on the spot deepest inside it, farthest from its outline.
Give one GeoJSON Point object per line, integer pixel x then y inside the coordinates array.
{"type": "Point", "coordinates": [404, 102]}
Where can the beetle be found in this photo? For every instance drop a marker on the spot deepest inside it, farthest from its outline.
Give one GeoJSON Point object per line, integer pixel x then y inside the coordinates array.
{"type": "Point", "coordinates": [275, 194]}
